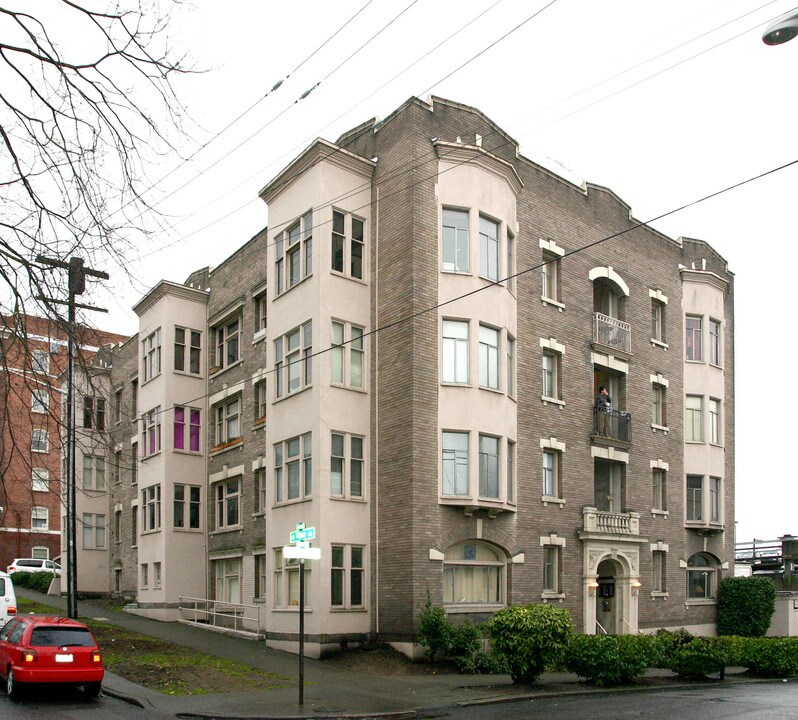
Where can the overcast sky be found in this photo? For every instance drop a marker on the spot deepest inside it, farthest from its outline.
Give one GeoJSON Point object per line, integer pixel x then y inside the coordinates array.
{"type": "Point", "coordinates": [663, 102]}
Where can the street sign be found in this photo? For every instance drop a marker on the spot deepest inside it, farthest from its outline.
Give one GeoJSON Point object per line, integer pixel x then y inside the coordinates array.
{"type": "Point", "coordinates": [303, 553]}
{"type": "Point", "coordinates": [304, 534]}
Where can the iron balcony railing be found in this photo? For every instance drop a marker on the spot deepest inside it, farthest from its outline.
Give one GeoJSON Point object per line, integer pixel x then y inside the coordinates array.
{"type": "Point", "coordinates": [611, 332]}
{"type": "Point", "coordinates": [612, 424]}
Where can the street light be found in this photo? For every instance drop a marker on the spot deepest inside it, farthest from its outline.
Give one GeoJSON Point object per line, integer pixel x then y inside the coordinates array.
{"type": "Point", "coordinates": [782, 29]}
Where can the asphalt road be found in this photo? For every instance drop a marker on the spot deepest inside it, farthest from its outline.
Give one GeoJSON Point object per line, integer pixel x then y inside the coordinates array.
{"type": "Point", "coordinates": [68, 704]}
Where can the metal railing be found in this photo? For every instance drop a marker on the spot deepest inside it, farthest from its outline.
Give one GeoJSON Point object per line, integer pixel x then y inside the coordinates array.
{"type": "Point", "coordinates": [611, 332]}
{"type": "Point", "coordinates": [614, 424]}
{"type": "Point", "coordinates": [599, 626]}
{"type": "Point", "coordinates": [224, 615]}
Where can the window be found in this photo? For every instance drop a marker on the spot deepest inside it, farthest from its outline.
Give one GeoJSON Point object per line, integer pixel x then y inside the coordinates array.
{"type": "Point", "coordinates": [93, 472]}
{"type": "Point", "coordinates": [151, 355]}
{"type": "Point", "coordinates": [261, 312]}
{"type": "Point", "coordinates": [228, 343]}
{"type": "Point", "coordinates": [145, 575]}
{"type": "Point", "coordinates": [40, 480]}
{"type": "Point", "coordinates": [347, 257]}
{"type": "Point", "coordinates": [188, 350]}
{"type": "Point", "coordinates": [227, 495]}
{"type": "Point", "coordinates": [658, 405]}
{"type": "Point", "coordinates": [118, 526]}
{"type": "Point", "coordinates": [488, 249]}
{"type": "Point", "coordinates": [294, 360]}
{"type": "Point", "coordinates": [228, 425]}
{"type": "Point", "coordinates": [551, 277]}
{"type": "Point", "coordinates": [93, 531]}
{"type": "Point", "coordinates": [39, 401]}
{"type": "Point", "coordinates": [714, 422]}
{"type": "Point", "coordinates": [551, 474]}
{"type": "Point", "coordinates": [511, 366]}
{"type": "Point", "coordinates": [118, 406]}
{"type": "Point", "coordinates": [39, 518]}
{"type": "Point", "coordinates": [658, 571]}
{"type": "Point", "coordinates": [347, 340]}
{"type": "Point", "coordinates": [714, 500]}
{"type": "Point", "coordinates": [134, 526]}
{"type": "Point", "coordinates": [657, 320]}
{"type": "Point", "coordinates": [40, 553]}
{"type": "Point", "coordinates": [551, 568]}
{"type": "Point", "coordinates": [510, 262]}
{"type": "Point", "coordinates": [40, 362]}
{"type": "Point", "coordinates": [609, 486]}
{"type": "Point", "coordinates": [455, 241]}
{"type": "Point", "coordinates": [472, 573]}
{"type": "Point", "coordinates": [134, 463]}
{"type": "Point", "coordinates": [261, 403]}
{"type": "Point", "coordinates": [455, 351]}
{"type": "Point", "coordinates": [151, 508]}
{"type": "Point", "coordinates": [695, 492]}
{"type": "Point", "coordinates": [693, 419]}
{"type": "Point", "coordinates": [293, 469]}
{"type": "Point", "coordinates": [116, 468]}
{"type": "Point", "coordinates": [39, 441]}
{"type": "Point", "coordinates": [658, 476]}
{"type": "Point", "coordinates": [134, 397]}
{"type": "Point", "coordinates": [260, 576]}
{"type": "Point", "coordinates": [293, 255]}
{"type": "Point", "coordinates": [455, 463]}
{"type": "Point", "coordinates": [286, 581]}
{"type": "Point", "coordinates": [187, 506]}
{"type": "Point", "coordinates": [93, 413]}
{"type": "Point", "coordinates": [693, 338]}
{"type": "Point", "coordinates": [346, 576]}
{"type": "Point", "coordinates": [510, 471]}
{"type": "Point", "coordinates": [151, 432]}
{"type": "Point", "coordinates": [701, 573]}
{"type": "Point", "coordinates": [228, 580]}
{"type": "Point", "coordinates": [260, 490]}
{"type": "Point", "coordinates": [714, 342]}
{"type": "Point", "coordinates": [551, 375]}
{"type": "Point", "coordinates": [488, 466]}
{"type": "Point", "coordinates": [156, 571]}
{"type": "Point", "coordinates": [187, 428]}
{"type": "Point", "coordinates": [488, 357]}
{"type": "Point", "coordinates": [346, 468]}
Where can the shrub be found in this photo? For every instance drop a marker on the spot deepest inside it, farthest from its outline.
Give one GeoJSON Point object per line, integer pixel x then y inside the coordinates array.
{"type": "Point", "coordinates": [667, 644]}
{"type": "Point", "coordinates": [610, 659]}
{"type": "Point", "coordinates": [699, 657]}
{"type": "Point", "coordinates": [39, 581]}
{"type": "Point", "coordinates": [529, 638]}
{"type": "Point", "coordinates": [464, 644]}
{"type": "Point", "coordinates": [434, 629]}
{"type": "Point", "coordinates": [772, 657]}
{"type": "Point", "coordinates": [745, 606]}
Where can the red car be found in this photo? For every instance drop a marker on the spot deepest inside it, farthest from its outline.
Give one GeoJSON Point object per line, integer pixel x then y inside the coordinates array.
{"type": "Point", "coordinates": [44, 649]}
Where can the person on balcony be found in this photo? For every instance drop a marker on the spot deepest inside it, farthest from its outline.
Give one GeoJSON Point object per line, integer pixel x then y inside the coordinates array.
{"type": "Point", "coordinates": [603, 407]}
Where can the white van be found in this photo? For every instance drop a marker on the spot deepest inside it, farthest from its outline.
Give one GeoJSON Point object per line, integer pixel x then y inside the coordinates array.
{"type": "Point", "coordinates": [8, 600]}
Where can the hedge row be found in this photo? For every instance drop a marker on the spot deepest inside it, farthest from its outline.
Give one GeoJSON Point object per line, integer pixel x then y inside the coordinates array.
{"type": "Point", "coordinates": [34, 580]}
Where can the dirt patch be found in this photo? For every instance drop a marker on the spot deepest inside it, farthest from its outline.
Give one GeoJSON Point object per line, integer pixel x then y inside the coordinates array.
{"type": "Point", "coordinates": [382, 660]}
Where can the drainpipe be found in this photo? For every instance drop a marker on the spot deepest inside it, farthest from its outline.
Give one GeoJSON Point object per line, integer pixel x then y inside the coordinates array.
{"type": "Point", "coordinates": [376, 245]}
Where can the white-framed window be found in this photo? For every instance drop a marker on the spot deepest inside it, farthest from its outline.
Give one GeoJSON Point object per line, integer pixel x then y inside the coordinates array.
{"type": "Point", "coordinates": [39, 401]}
{"type": "Point", "coordinates": [188, 350]}
{"type": "Point", "coordinates": [715, 499]}
{"type": "Point", "coordinates": [715, 343]}
{"type": "Point", "coordinates": [151, 355]}
{"type": "Point", "coordinates": [658, 416]}
{"type": "Point", "coordinates": [659, 480]}
{"type": "Point", "coordinates": [488, 357]}
{"type": "Point", "coordinates": [227, 417]}
{"type": "Point", "coordinates": [658, 566]}
{"type": "Point", "coordinates": [510, 366]}
{"type": "Point", "coordinates": [694, 338]}
{"type": "Point", "coordinates": [156, 571]}
{"type": "Point", "coordinates": [145, 575]}
{"type": "Point", "coordinates": [187, 506]}
{"type": "Point", "coordinates": [286, 581]}
{"type": "Point", "coordinates": [551, 375]}
{"type": "Point", "coordinates": [454, 351]}
{"type": "Point", "coordinates": [293, 365]}
{"type": "Point", "coordinates": [93, 472]}
{"type": "Point", "coordinates": [454, 241]}
{"type": "Point", "coordinates": [695, 498]}
{"type": "Point", "coordinates": [39, 518]}
{"type": "Point", "coordinates": [228, 342]}
{"type": "Point", "coordinates": [40, 362]}
{"type": "Point", "coordinates": [348, 245]}
{"type": "Point", "coordinates": [261, 578]}
{"type": "Point", "coordinates": [702, 571]}
{"type": "Point", "coordinates": [551, 473]}
{"type": "Point", "coordinates": [550, 277]}
{"type": "Point", "coordinates": [473, 573]}
{"type": "Point", "coordinates": [714, 422]}
{"type": "Point", "coordinates": [658, 320]}
{"type": "Point", "coordinates": [511, 465]}
{"type": "Point", "coordinates": [134, 463]}
{"type": "Point", "coordinates": [551, 569]}
{"type": "Point", "coordinates": [151, 508]}
{"type": "Point", "coordinates": [346, 465]}
{"type": "Point", "coordinates": [261, 312]}
{"type": "Point", "coordinates": [227, 497]}
{"type": "Point", "coordinates": [40, 552]}
{"type": "Point", "coordinates": [227, 576]}
{"type": "Point", "coordinates": [294, 254]}
{"type": "Point", "coordinates": [117, 406]}
{"type": "Point", "coordinates": [347, 588]}
{"type": "Point", "coordinates": [134, 526]}
{"type": "Point", "coordinates": [347, 355]}
{"type": "Point", "coordinates": [93, 413]}
{"type": "Point", "coordinates": [488, 249]}
{"type": "Point", "coordinates": [293, 468]}
{"type": "Point", "coordinates": [187, 429]}
{"type": "Point", "coordinates": [116, 468]}
{"type": "Point", "coordinates": [39, 440]}
{"type": "Point", "coordinates": [151, 432]}
{"type": "Point", "coordinates": [455, 463]}
{"type": "Point", "coordinates": [259, 489]}
{"type": "Point", "coordinates": [93, 531]}
{"type": "Point", "coordinates": [694, 418]}
{"type": "Point", "coordinates": [489, 467]}
{"type": "Point", "coordinates": [40, 479]}
{"type": "Point", "coordinates": [510, 261]}
{"type": "Point", "coordinates": [261, 404]}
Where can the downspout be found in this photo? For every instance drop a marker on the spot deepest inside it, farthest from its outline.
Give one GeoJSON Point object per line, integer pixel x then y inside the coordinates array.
{"type": "Point", "coordinates": [376, 416]}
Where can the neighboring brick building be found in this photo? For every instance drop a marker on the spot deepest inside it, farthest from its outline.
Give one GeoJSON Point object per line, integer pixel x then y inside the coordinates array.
{"type": "Point", "coordinates": [34, 355]}
{"type": "Point", "coordinates": [441, 313]}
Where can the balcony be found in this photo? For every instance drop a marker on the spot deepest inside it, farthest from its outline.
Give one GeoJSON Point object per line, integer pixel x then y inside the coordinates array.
{"type": "Point", "coordinates": [612, 333]}
{"type": "Point", "coordinates": [612, 426]}
{"type": "Point", "coordinates": [610, 523]}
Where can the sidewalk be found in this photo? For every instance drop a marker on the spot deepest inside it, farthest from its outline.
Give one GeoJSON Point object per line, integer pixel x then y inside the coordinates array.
{"type": "Point", "coordinates": [329, 692]}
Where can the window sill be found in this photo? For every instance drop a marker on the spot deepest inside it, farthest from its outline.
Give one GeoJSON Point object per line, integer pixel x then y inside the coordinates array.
{"type": "Point", "coordinates": [187, 530]}
{"type": "Point", "coordinates": [289, 288]}
{"type": "Point", "coordinates": [343, 498]}
{"type": "Point", "coordinates": [656, 512]}
{"type": "Point", "coordinates": [292, 609]}
{"type": "Point", "coordinates": [259, 514]}
{"type": "Point", "coordinates": [149, 380]}
{"type": "Point", "coordinates": [551, 595]}
{"type": "Point", "coordinates": [188, 373]}
{"type": "Point", "coordinates": [452, 608]}
{"type": "Point", "coordinates": [360, 390]}
{"type": "Point", "coordinates": [293, 501]}
{"type": "Point", "coordinates": [658, 594]}
{"type": "Point", "coordinates": [659, 343]}
{"type": "Point", "coordinates": [700, 601]}
{"type": "Point", "coordinates": [259, 335]}
{"type": "Point", "coordinates": [660, 428]}
{"type": "Point", "coordinates": [230, 444]}
{"type": "Point", "coordinates": [150, 532]}
{"type": "Point", "coordinates": [195, 453]}
{"type": "Point", "coordinates": [231, 528]}
{"type": "Point", "coordinates": [546, 499]}
{"type": "Point", "coordinates": [213, 375]}
{"type": "Point", "coordinates": [287, 396]}
{"type": "Point", "coordinates": [334, 610]}
{"type": "Point", "coordinates": [259, 424]}
{"type": "Point", "coordinates": [144, 458]}
{"type": "Point", "coordinates": [552, 401]}
{"type": "Point", "coordinates": [452, 383]}
{"type": "Point", "coordinates": [344, 276]}
{"type": "Point", "coordinates": [452, 271]}
{"type": "Point", "coordinates": [553, 303]}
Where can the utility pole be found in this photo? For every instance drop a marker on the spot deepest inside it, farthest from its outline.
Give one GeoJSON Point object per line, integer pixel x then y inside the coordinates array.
{"type": "Point", "coordinates": [77, 286]}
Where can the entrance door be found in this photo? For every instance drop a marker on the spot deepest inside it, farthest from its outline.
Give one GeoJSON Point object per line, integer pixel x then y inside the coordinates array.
{"type": "Point", "coordinates": [607, 600]}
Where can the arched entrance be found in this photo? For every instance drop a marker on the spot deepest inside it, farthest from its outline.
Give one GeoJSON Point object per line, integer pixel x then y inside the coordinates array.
{"type": "Point", "coordinates": [608, 597]}
{"type": "Point", "coordinates": [611, 581]}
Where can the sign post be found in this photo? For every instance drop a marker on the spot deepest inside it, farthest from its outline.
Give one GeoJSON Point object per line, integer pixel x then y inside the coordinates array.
{"type": "Point", "coordinates": [302, 550]}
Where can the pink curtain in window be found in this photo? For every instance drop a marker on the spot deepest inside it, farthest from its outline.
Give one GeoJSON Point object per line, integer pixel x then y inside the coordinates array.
{"type": "Point", "coordinates": [180, 424]}
{"type": "Point", "coordinates": [194, 431]}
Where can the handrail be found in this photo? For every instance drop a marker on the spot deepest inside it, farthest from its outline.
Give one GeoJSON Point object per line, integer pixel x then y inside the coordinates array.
{"type": "Point", "coordinates": [220, 613]}
{"type": "Point", "coordinates": [601, 627]}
